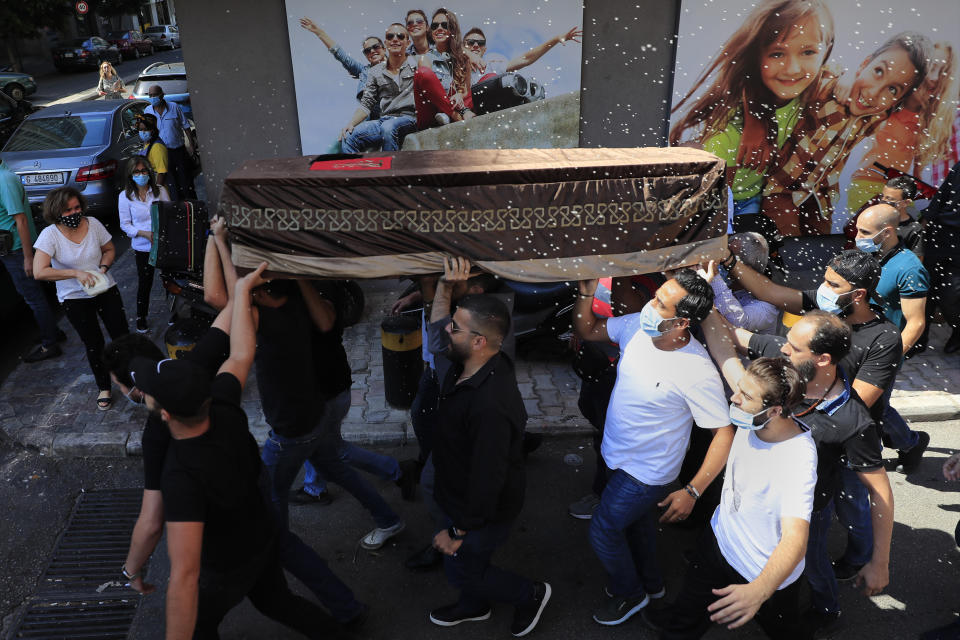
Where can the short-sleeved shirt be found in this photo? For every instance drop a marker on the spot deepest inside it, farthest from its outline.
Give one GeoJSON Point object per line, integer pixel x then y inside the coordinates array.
{"type": "Point", "coordinates": [83, 256]}
{"type": "Point", "coordinates": [215, 478]}
{"type": "Point", "coordinates": [157, 155]}
{"type": "Point", "coordinates": [657, 398]}
{"type": "Point", "coordinates": [876, 352]}
{"type": "Point", "coordinates": [842, 428]}
{"type": "Point", "coordinates": [171, 124]}
{"type": "Point", "coordinates": [211, 352]}
{"type": "Point", "coordinates": [13, 201]}
{"type": "Point", "coordinates": [902, 276]}
{"type": "Point", "coordinates": [764, 483]}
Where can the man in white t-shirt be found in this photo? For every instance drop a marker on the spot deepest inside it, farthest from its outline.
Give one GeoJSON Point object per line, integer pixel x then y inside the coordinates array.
{"type": "Point", "coordinates": [749, 560]}
{"type": "Point", "coordinates": [665, 382]}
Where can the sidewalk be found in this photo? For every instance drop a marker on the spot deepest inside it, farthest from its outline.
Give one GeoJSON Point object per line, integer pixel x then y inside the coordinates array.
{"type": "Point", "coordinates": [51, 405]}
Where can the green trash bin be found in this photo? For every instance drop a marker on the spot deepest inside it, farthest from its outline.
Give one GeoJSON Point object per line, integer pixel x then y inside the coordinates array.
{"type": "Point", "coordinates": [401, 340]}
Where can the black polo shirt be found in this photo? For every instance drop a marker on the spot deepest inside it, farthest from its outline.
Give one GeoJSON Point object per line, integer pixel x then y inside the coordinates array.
{"type": "Point", "coordinates": [842, 429]}
{"type": "Point", "coordinates": [478, 447]}
{"type": "Point", "coordinates": [876, 352]}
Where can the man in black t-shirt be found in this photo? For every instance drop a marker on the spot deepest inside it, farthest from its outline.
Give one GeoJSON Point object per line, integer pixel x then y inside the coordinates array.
{"type": "Point", "coordinates": [899, 193]}
{"type": "Point", "coordinates": [222, 535]}
{"type": "Point", "coordinates": [845, 435]}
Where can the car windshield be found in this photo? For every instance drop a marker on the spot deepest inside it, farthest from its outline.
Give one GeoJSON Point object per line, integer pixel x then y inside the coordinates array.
{"type": "Point", "coordinates": [65, 132]}
{"type": "Point", "coordinates": [118, 35]}
{"type": "Point", "coordinates": [169, 85]}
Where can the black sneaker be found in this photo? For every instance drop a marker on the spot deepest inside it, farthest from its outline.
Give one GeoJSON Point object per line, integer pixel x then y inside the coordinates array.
{"type": "Point", "coordinates": [844, 571]}
{"type": "Point", "coordinates": [452, 615]}
{"type": "Point", "coordinates": [424, 560]}
{"type": "Point", "coordinates": [41, 352]}
{"type": "Point", "coordinates": [619, 609]}
{"type": "Point", "coordinates": [302, 497]}
{"type": "Point", "coordinates": [911, 459]}
{"type": "Point", "coordinates": [526, 616]}
{"type": "Point", "coordinates": [409, 477]}
{"type": "Point", "coordinates": [821, 624]}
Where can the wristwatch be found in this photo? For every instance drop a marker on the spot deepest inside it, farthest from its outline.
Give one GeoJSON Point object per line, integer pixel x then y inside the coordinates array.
{"type": "Point", "coordinates": [452, 532]}
{"type": "Point", "coordinates": [127, 575]}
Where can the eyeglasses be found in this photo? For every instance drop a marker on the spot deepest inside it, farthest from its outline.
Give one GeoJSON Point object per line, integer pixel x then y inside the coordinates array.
{"type": "Point", "coordinates": [455, 329]}
{"type": "Point", "coordinates": [412, 22]}
{"type": "Point", "coordinates": [440, 25]}
{"type": "Point", "coordinates": [373, 47]}
{"type": "Point", "coordinates": [475, 43]}
{"type": "Point", "coordinates": [396, 36]}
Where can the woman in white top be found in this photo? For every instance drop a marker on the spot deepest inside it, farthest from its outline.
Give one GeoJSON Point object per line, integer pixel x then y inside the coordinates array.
{"type": "Point", "coordinates": [76, 252]}
{"type": "Point", "coordinates": [140, 192]}
{"type": "Point", "coordinates": [110, 86]}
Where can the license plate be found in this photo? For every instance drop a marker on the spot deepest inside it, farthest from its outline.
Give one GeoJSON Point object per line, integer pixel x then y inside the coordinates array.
{"type": "Point", "coordinates": [68, 55]}
{"type": "Point", "coordinates": [43, 178]}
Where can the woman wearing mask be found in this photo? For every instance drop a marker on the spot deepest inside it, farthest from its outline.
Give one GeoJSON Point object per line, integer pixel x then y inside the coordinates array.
{"type": "Point", "coordinates": [110, 86]}
{"type": "Point", "coordinates": [140, 192]}
{"type": "Point", "coordinates": [153, 148]}
{"type": "Point", "coordinates": [441, 86]}
{"type": "Point", "coordinates": [77, 252]}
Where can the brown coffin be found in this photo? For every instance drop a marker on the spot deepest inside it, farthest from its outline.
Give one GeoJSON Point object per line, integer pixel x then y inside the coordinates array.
{"type": "Point", "coordinates": [524, 214]}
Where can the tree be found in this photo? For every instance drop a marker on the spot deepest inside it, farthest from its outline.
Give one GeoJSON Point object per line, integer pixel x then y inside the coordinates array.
{"type": "Point", "coordinates": [19, 19]}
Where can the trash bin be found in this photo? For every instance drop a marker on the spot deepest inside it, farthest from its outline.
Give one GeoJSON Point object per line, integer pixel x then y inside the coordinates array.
{"type": "Point", "coordinates": [402, 362]}
{"type": "Point", "coordinates": [184, 334]}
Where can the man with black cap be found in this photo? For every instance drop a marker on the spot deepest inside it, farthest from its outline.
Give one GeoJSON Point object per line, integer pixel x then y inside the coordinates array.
{"type": "Point", "coordinates": [222, 536]}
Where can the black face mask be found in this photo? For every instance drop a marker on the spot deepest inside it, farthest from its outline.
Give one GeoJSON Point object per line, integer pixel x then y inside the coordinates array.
{"type": "Point", "coordinates": [72, 221]}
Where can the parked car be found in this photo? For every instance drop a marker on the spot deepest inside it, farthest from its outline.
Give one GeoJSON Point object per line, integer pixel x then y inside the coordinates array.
{"type": "Point", "coordinates": [17, 85]}
{"type": "Point", "coordinates": [85, 53]}
{"type": "Point", "coordinates": [164, 36]}
{"type": "Point", "coordinates": [12, 113]}
{"type": "Point", "coordinates": [132, 44]}
{"type": "Point", "coordinates": [172, 78]}
{"type": "Point", "coordinates": [80, 144]}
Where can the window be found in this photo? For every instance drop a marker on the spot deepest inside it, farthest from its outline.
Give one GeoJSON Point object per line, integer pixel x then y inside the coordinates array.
{"type": "Point", "coordinates": [129, 116]}
{"type": "Point", "coordinates": [66, 132]}
{"type": "Point", "coordinates": [170, 85]}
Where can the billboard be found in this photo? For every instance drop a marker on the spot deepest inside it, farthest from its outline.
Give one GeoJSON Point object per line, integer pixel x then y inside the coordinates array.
{"type": "Point", "coordinates": [814, 103]}
{"type": "Point", "coordinates": [370, 74]}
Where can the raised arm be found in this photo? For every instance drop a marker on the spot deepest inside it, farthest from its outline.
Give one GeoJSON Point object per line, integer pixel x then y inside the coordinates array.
{"type": "Point", "coordinates": [454, 270]}
{"type": "Point", "coordinates": [763, 288]}
{"type": "Point", "coordinates": [722, 345]}
{"type": "Point", "coordinates": [322, 312]}
{"type": "Point", "coordinates": [243, 341]}
{"type": "Point", "coordinates": [587, 325]}
{"type": "Point", "coordinates": [534, 54]}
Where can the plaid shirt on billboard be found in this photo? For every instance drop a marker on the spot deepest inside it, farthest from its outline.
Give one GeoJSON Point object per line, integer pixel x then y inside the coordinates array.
{"type": "Point", "coordinates": [809, 164]}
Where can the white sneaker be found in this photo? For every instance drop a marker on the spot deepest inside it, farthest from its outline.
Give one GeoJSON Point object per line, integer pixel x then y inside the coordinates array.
{"type": "Point", "coordinates": [583, 508]}
{"type": "Point", "coordinates": [442, 119]}
{"type": "Point", "coordinates": [378, 537]}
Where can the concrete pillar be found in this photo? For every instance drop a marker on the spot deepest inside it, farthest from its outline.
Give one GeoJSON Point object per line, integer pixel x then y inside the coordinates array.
{"type": "Point", "coordinates": [153, 13]}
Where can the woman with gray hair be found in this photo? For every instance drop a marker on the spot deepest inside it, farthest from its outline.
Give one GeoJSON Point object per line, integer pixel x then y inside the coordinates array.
{"type": "Point", "coordinates": [735, 303]}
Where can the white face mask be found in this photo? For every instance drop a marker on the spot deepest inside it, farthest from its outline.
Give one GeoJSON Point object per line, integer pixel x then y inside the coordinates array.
{"type": "Point", "coordinates": [745, 420]}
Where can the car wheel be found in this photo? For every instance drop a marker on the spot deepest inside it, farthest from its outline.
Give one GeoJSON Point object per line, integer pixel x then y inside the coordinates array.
{"type": "Point", "coordinates": [15, 91]}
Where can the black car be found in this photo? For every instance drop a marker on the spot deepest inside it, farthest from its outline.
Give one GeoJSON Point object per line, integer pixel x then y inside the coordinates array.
{"type": "Point", "coordinates": [12, 113]}
{"type": "Point", "coordinates": [85, 53]}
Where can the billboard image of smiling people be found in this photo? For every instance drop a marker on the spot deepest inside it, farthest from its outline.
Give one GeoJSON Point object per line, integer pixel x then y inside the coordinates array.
{"type": "Point", "coordinates": [802, 97]}
{"type": "Point", "coordinates": [374, 75]}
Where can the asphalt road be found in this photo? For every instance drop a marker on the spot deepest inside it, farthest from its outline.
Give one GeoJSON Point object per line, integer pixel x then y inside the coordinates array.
{"type": "Point", "coordinates": [546, 544]}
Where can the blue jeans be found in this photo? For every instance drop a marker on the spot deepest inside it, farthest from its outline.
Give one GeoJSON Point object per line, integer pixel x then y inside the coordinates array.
{"type": "Point", "coordinates": [386, 133]}
{"type": "Point", "coordinates": [623, 533]}
{"type": "Point", "coordinates": [819, 570]}
{"type": "Point", "coordinates": [283, 458]}
{"type": "Point", "coordinates": [853, 512]}
{"type": "Point", "coordinates": [896, 433]}
{"type": "Point", "coordinates": [32, 292]}
{"type": "Point", "coordinates": [479, 581]}
{"type": "Point", "coordinates": [370, 461]}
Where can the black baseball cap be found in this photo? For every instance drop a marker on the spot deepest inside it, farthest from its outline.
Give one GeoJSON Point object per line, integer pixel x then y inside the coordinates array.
{"type": "Point", "coordinates": [180, 387]}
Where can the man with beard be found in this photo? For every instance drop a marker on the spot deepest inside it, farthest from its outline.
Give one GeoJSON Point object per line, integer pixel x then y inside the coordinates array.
{"type": "Point", "coordinates": [478, 456]}
{"type": "Point", "coordinates": [844, 433]}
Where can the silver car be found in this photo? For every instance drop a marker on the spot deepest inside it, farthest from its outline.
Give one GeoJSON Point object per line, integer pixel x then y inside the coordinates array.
{"type": "Point", "coordinates": [80, 144]}
{"type": "Point", "coordinates": [163, 36]}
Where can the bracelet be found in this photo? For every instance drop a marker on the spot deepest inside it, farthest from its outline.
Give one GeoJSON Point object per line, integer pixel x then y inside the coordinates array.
{"type": "Point", "coordinates": [730, 262]}
{"type": "Point", "coordinates": [452, 532]}
{"type": "Point", "coordinates": [584, 295]}
{"type": "Point", "coordinates": [105, 267]}
{"type": "Point", "coordinates": [128, 576]}
{"type": "Point", "coordinates": [692, 491]}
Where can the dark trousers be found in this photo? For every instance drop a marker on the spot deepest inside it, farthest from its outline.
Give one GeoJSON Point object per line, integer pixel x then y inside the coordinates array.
{"type": "Point", "coordinates": [181, 182]}
{"type": "Point", "coordinates": [688, 618]}
{"type": "Point", "coordinates": [480, 582]}
{"type": "Point", "coordinates": [945, 288]}
{"type": "Point", "coordinates": [33, 295]}
{"type": "Point", "coordinates": [83, 313]}
{"type": "Point", "coordinates": [593, 402]}
{"type": "Point", "coordinates": [262, 580]}
{"type": "Point", "coordinates": [144, 283]}
{"type": "Point", "coordinates": [423, 412]}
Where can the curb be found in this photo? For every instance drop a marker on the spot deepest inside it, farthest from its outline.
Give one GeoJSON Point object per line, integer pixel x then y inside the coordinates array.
{"type": "Point", "coordinates": [932, 407]}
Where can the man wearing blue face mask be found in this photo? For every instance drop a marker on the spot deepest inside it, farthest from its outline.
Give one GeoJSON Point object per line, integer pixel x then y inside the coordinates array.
{"type": "Point", "coordinates": [904, 282]}
{"type": "Point", "coordinates": [175, 133]}
{"type": "Point", "coordinates": [749, 560]}
{"type": "Point", "coordinates": [665, 382]}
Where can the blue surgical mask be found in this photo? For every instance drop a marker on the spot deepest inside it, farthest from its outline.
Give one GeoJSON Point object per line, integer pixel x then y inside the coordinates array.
{"type": "Point", "coordinates": [829, 300]}
{"type": "Point", "coordinates": [650, 321]}
{"type": "Point", "coordinates": [140, 180]}
{"type": "Point", "coordinates": [155, 100]}
{"type": "Point", "coordinates": [745, 420]}
{"type": "Point", "coordinates": [145, 135]}
{"type": "Point", "coordinates": [867, 245]}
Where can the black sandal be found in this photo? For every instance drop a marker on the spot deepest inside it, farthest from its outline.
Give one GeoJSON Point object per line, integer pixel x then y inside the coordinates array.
{"type": "Point", "coordinates": [104, 402]}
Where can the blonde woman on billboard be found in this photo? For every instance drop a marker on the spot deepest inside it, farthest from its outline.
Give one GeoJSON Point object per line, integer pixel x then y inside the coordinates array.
{"type": "Point", "coordinates": [763, 77]}
{"type": "Point", "coordinates": [799, 194]}
{"type": "Point", "coordinates": [917, 134]}
{"type": "Point", "coordinates": [441, 86]}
